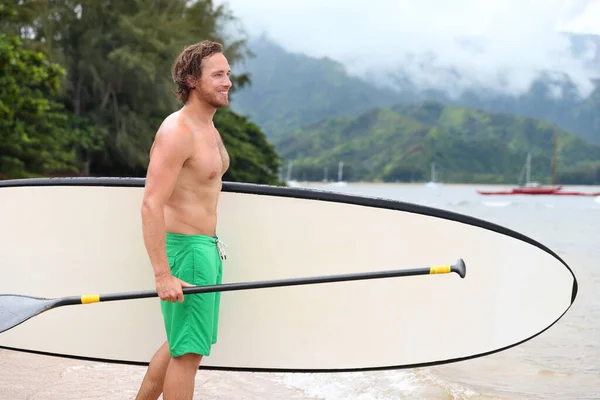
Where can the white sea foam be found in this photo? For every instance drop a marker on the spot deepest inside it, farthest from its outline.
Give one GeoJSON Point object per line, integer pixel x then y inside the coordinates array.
{"type": "Point", "coordinates": [453, 389]}
{"type": "Point", "coordinates": [372, 385]}
{"type": "Point", "coordinates": [497, 203]}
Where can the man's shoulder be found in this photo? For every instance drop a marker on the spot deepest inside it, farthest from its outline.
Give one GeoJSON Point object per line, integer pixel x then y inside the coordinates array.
{"type": "Point", "coordinates": [174, 128]}
{"type": "Point", "coordinates": [173, 136]}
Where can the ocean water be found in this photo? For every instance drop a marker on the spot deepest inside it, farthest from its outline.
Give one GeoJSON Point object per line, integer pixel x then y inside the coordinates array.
{"type": "Point", "coordinates": [561, 363]}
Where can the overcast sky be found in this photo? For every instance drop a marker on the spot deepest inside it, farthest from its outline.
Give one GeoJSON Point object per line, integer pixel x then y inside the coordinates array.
{"type": "Point", "coordinates": [509, 40]}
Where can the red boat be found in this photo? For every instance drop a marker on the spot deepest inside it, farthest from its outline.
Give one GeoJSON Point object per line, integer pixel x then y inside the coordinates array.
{"type": "Point", "coordinates": [528, 189]}
{"type": "Point", "coordinates": [538, 190]}
{"type": "Point", "coordinates": [534, 188]}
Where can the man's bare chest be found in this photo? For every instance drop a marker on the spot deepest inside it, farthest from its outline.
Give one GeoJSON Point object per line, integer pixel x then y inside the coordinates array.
{"type": "Point", "coordinates": [210, 159]}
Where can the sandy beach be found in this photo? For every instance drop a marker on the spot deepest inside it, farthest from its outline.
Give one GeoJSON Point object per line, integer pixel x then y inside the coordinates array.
{"type": "Point", "coordinates": [28, 376]}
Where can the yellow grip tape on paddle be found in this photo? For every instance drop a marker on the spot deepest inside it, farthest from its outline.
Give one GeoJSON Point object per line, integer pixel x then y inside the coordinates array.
{"type": "Point", "coordinates": [90, 298]}
{"type": "Point", "coordinates": [441, 269]}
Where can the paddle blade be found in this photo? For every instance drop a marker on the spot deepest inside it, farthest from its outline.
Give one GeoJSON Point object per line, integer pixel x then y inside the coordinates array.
{"type": "Point", "coordinates": [16, 309]}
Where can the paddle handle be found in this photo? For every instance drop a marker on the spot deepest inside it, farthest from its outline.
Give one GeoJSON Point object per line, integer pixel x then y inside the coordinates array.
{"type": "Point", "coordinates": [458, 268]}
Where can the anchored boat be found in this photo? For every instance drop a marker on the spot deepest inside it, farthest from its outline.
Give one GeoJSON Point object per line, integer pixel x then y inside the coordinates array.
{"type": "Point", "coordinates": [535, 188]}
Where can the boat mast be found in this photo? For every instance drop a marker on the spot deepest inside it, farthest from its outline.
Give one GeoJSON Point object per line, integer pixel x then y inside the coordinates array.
{"type": "Point", "coordinates": [554, 163]}
{"type": "Point", "coordinates": [528, 169]}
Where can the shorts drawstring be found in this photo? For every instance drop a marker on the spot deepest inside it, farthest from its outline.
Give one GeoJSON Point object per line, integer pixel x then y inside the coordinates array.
{"type": "Point", "coordinates": [221, 248]}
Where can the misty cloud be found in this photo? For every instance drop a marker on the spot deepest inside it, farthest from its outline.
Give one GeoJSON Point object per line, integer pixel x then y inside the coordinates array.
{"type": "Point", "coordinates": [495, 44]}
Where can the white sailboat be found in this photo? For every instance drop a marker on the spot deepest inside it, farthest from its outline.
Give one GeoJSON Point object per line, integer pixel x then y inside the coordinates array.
{"type": "Point", "coordinates": [433, 183]}
{"type": "Point", "coordinates": [288, 178]}
{"type": "Point", "coordinates": [340, 181]}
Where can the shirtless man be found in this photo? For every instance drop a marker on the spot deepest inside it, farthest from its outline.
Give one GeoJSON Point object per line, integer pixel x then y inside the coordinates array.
{"type": "Point", "coordinates": [183, 182]}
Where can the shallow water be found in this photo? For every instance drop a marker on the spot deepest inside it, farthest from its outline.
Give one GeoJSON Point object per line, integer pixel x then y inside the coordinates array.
{"type": "Point", "coordinates": [561, 363]}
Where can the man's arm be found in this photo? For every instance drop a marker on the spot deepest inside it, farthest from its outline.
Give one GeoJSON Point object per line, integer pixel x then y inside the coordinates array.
{"type": "Point", "coordinates": [171, 148]}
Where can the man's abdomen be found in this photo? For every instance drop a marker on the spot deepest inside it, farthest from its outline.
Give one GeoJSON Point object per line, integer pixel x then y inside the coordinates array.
{"type": "Point", "coordinates": [191, 218]}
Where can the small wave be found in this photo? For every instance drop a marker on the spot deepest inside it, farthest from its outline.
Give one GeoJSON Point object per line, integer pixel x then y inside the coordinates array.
{"type": "Point", "coordinates": [543, 205]}
{"type": "Point", "coordinates": [497, 203]}
{"type": "Point", "coordinates": [455, 391]}
{"type": "Point", "coordinates": [467, 203]}
{"type": "Point", "coordinates": [102, 367]}
{"type": "Point", "coordinates": [553, 373]}
{"type": "Point", "coordinates": [356, 385]}
{"type": "Point", "coordinates": [462, 203]}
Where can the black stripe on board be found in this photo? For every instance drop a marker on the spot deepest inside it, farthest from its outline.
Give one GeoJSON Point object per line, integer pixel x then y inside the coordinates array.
{"type": "Point", "coordinates": [307, 194]}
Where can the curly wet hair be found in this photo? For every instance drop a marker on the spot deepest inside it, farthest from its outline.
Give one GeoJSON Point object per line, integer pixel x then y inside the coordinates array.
{"type": "Point", "coordinates": [188, 64]}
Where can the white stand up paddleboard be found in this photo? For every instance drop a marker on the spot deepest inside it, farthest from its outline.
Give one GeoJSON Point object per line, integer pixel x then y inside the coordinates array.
{"type": "Point", "coordinates": [74, 236]}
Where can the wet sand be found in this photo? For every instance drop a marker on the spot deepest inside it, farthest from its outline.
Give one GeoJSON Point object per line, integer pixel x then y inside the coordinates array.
{"type": "Point", "coordinates": [25, 376]}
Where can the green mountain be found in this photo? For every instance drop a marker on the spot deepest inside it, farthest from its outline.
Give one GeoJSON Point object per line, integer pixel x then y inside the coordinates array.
{"type": "Point", "coordinates": [292, 90]}
{"type": "Point", "coordinates": [289, 90]}
{"type": "Point", "coordinates": [399, 143]}
{"type": "Point", "coordinates": [569, 111]}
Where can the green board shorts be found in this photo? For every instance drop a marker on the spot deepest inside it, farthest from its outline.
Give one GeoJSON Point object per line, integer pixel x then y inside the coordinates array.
{"type": "Point", "coordinates": [192, 326]}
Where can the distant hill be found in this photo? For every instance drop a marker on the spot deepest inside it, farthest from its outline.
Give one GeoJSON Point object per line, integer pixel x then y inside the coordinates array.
{"type": "Point", "coordinates": [399, 143]}
{"type": "Point", "coordinates": [290, 90]}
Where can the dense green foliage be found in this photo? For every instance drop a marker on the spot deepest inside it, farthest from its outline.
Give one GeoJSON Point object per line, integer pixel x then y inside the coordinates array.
{"type": "Point", "coordinates": [117, 56]}
{"type": "Point", "coordinates": [399, 143]}
{"type": "Point", "coordinates": [37, 134]}
{"type": "Point", "coordinates": [253, 158]}
{"type": "Point", "coordinates": [569, 112]}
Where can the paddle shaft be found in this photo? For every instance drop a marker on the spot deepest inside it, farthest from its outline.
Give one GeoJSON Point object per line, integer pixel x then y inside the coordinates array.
{"type": "Point", "coordinates": [459, 268]}
{"type": "Point", "coordinates": [16, 309]}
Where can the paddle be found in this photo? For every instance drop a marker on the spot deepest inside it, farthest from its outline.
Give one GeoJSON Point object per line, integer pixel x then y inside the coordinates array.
{"type": "Point", "coordinates": [16, 309]}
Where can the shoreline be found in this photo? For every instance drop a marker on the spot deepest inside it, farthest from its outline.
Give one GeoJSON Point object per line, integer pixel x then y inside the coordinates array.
{"type": "Point", "coordinates": [333, 184]}
{"type": "Point", "coordinates": [36, 377]}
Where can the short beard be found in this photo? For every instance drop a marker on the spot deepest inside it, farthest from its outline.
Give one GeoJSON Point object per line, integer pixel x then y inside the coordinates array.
{"type": "Point", "coordinates": [210, 98]}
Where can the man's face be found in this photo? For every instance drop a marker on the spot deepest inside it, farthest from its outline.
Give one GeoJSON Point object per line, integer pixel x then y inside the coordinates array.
{"type": "Point", "coordinates": [214, 83]}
